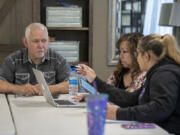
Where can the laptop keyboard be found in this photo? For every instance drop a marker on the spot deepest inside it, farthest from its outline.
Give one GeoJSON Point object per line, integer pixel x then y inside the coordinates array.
{"type": "Point", "coordinates": [64, 102]}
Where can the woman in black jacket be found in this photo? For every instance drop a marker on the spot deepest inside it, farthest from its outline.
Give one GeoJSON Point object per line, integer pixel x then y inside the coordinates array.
{"type": "Point", "coordinates": [158, 100]}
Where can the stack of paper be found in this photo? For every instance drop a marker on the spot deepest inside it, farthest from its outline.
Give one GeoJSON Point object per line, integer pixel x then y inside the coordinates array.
{"type": "Point", "coordinates": [68, 49]}
{"type": "Point", "coordinates": [64, 16]}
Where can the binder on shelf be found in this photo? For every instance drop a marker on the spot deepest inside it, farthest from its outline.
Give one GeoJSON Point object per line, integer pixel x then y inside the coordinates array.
{"type": "Point", "coordinates": [64, 16]}
{"type": "Point", "coordinates": [68, 49]}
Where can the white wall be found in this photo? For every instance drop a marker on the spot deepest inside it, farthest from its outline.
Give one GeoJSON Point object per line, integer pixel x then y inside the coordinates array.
{"type": "Point", "coordinates": [100, 39]}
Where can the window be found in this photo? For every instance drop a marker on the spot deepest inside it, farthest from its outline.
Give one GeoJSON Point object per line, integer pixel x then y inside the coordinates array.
{"type": "Point", "coordinates": [127, 16]}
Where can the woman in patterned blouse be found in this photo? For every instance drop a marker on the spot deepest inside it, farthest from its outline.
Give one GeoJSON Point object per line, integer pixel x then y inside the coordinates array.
{"type": "Point", "coordinates": [127, 74]}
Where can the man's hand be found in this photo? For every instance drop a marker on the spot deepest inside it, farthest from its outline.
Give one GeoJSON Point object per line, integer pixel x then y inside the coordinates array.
{"type": "Point", "coordinates": [24, 90]}
{"type": "Point", "coordinates": [28, 90]}
{"type": "Point", "coordinates": [38, 88]}
{"type": "Point", "coordinates": [80, 97]}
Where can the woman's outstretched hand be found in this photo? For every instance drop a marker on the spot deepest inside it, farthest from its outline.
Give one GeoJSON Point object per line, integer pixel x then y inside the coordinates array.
{"type": "Point", "coordinates": [87, 72]}
{"type": "Point", "coordinates": [80, 97]}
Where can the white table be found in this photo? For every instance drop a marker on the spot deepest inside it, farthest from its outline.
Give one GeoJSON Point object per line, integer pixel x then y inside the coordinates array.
{"type": "Point", "coordinates": [33, 116]}
{"type": "Point", "coordinates": [6, 122]}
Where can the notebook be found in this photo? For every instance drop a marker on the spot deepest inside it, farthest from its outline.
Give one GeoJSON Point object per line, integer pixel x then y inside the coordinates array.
{"type": "Point", "coordinates": [48, 96]}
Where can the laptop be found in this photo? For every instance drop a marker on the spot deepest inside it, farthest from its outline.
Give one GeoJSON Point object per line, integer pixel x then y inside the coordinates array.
{"type": "Point", "coordinates": [48, 96]}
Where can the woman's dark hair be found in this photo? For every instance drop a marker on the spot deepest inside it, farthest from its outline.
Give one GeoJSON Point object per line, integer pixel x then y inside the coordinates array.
{"type": "Point", "coordinates": [132, 40]}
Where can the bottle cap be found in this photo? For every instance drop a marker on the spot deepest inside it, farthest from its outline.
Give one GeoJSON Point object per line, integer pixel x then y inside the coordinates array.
{"type": "Point", "coordinates": [73, 69]}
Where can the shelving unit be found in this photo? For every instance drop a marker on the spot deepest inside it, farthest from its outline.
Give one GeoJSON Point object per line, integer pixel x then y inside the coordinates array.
{"type": "Point", "coordinates": [82, 34]}
{"type": "Point", "coordinates": [69, 28]}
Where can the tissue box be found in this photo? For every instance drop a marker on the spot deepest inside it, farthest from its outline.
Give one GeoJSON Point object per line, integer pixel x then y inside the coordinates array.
{"type": "Point", "coordinates": [64, 16]}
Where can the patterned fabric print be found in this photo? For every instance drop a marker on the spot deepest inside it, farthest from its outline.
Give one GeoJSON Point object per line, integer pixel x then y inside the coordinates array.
{"type": "Point", "coordinates": [50, 77]}
{"type": "Point", "coordinates": [111, 80]}
{"type": "Point", "coordinates": [135, 84]}
{"type": "Point", "coordinates": [22, 78]}
{"type": "Point", "coordinates": [17, 68]}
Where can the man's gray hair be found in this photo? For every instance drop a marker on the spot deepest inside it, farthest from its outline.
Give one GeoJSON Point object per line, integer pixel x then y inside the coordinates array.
{"type": "Point", "coordinates": [34, 26]}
